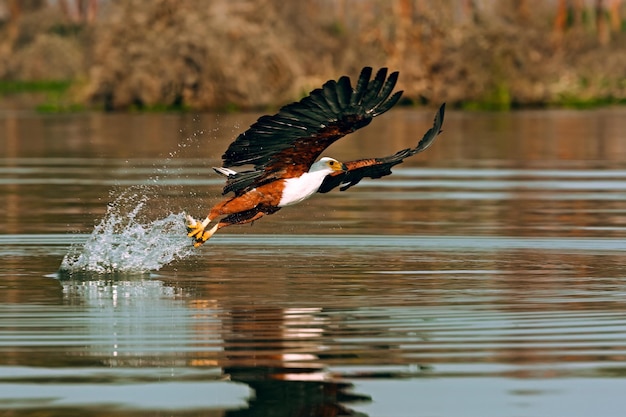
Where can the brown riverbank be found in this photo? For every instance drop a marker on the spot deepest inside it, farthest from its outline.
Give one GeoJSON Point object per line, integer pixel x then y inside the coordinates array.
{"type": "Point", "coordinates": [249, 54]}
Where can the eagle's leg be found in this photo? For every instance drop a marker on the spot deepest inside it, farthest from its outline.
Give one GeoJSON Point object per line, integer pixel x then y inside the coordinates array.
{"type": "Point", "coordinates": [242, 209]}
{"type": "Point", "coordinates": [201, 235]}
{"type": "Point", "coordinates": [197, 229]}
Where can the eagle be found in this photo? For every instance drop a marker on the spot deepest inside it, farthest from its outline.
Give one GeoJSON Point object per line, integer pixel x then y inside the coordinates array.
{"type": "Point", "coordinates": [279, 154]}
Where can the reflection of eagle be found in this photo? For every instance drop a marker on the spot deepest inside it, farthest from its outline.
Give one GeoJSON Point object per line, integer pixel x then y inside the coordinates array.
{"type": "Point", "coordinates": [282, 150]}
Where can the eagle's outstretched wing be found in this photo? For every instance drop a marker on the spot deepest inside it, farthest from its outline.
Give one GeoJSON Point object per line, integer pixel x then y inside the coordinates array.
{"type": "Point", "coordinates": [379, 167]}
{"type": "Point", "coordinates": [286, 144]}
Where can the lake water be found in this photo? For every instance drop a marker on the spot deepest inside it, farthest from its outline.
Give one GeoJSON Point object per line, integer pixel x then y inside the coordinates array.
{"type": "Point", "coordinates": [487, 277]}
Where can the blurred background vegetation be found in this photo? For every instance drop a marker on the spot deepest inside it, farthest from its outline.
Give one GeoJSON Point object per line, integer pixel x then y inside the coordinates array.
{"type": "Point", "coordinates": [257, 54]}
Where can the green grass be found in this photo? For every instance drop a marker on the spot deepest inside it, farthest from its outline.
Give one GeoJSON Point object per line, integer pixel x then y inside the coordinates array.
{"type": "Point", "coordinates": [52, 95]}
{"type": "Point", "coordinates": [18, 87]}
{"type": "Point", "coordinates": [572, 102]}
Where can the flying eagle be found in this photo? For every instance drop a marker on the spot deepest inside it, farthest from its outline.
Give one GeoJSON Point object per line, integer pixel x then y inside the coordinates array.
{"type": "Point", "coordinates": [283, 150]}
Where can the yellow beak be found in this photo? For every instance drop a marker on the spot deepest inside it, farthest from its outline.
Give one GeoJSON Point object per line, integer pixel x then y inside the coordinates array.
{"type": "Point", "coordinates": [340, 167]}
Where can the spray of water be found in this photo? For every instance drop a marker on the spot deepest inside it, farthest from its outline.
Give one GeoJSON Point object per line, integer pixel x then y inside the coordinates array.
{"type": "Point", "coordinates": [128, 240]}
{"type": "Point", "coordinates": [123, 243]}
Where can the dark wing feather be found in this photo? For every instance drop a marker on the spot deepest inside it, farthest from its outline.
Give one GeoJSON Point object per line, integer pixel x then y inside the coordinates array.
{"type": "Point", "coordinates": [287, 143]}
{"type": "Point", "coordinates": [361, 86]}
{"type": "Point", "coordinates": [379, 167]}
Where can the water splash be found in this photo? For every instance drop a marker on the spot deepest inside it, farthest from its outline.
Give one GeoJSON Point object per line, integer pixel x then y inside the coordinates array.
{"type": "Point", "coordinates": [128, 241]}
{"type": "Point", "coordinates": [125, 242]}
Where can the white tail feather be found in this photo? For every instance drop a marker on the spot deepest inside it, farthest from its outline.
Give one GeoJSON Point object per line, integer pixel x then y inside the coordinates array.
{"type": "Point", "coordinates": [224, 171]}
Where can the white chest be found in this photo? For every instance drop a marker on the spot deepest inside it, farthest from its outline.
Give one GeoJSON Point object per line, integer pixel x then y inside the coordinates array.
{"type": "Point", "coordinates": [301, 188]}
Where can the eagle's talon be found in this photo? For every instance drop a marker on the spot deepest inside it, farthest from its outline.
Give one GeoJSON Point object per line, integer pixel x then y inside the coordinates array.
{"type": "Point", "coordinates": [197, 230]}
{"type": "Point", "coordinates": [194, 227]}
{"type": "Point", "coordinates": [201, 237]}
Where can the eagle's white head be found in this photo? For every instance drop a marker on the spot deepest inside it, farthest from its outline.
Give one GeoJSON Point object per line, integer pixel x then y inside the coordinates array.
{"type": "Point", "coordinates": [328, 165]}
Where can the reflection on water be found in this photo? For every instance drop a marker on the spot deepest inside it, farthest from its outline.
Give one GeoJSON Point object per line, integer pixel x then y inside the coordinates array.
{"type": "Point", "coordinates": [489, 270]}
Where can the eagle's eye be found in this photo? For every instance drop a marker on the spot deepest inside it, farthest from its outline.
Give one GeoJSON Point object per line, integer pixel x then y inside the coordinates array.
{"type": "Point", "coordinates": [332, 163]}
